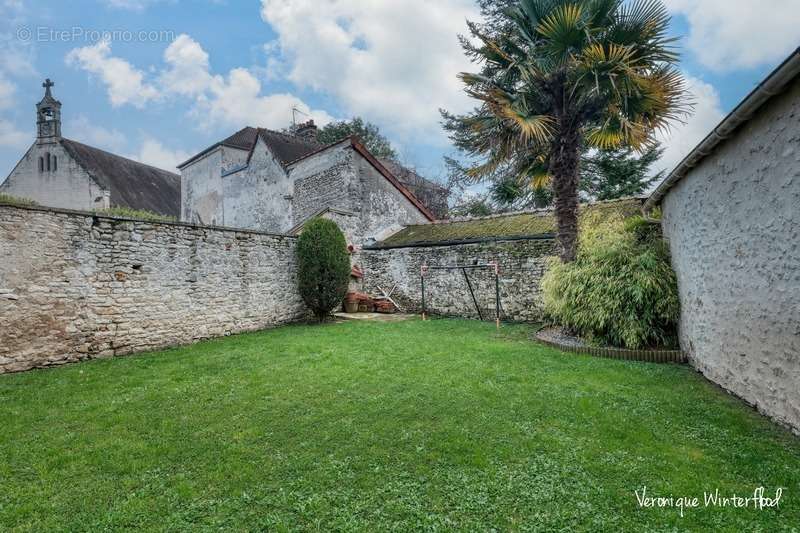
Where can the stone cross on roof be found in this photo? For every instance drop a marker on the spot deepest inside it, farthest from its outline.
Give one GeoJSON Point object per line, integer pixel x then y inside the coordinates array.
{"type": "Point", "coordinates": [47, 84]}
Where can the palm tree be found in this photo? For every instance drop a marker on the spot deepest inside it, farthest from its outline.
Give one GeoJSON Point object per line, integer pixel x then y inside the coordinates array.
{"type": "Point", "coordinates": [563, 76]}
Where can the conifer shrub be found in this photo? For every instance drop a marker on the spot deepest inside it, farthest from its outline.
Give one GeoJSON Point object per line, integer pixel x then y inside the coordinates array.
{"type": "Point", "coordinates": [621, 290]}
{"type": "Point", "coordinates": [323, 266]}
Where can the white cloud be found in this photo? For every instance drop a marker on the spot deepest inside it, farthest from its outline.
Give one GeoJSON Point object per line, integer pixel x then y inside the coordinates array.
{"type": "Point", "coordinates": [11, 137]}
{"type": "Point", "coordinates": [731, 34]}
{"type": "Point", "coordinates": [7, 90]}
{"type": "Point", "coordinates": [394, 63]}
{"type": "Point", "coordinates": [683, 138]}
{"type": "Point", "coordinates": [153, 152]}
{"type": "Point", "coordinates": [81, 129]}
{"type": "Point", "coordinates": [188, 72]}
{"type": "Point", "coordinates": [236, 101]}
{"type": "Point", "coordinates": [130, 5]}
{"type": "Point", "coordinates": [233, 100]}
{"type": "Point", "coordinates": [124, 83]}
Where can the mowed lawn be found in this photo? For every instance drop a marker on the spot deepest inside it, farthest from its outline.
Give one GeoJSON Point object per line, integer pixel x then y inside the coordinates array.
{"type": "Point", "coordinates": [439, 425]}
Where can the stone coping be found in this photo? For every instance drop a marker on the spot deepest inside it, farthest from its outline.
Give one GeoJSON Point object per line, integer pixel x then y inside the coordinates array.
{"type": "Point", "coordinates": [481, 240]}
{"type": "Point", "coordinates": [78, 213]}
{"type": "Point", "coordinates": [648, 356]}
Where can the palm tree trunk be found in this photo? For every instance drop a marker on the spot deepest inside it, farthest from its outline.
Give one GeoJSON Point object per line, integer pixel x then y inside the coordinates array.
{"type": "Point", "coordinates": [565, 171]}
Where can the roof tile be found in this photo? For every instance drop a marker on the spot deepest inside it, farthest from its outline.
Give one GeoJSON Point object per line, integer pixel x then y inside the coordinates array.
{"type": "Point", "coordinates": [530, 224]}
{"type": "Point", "coordinates": [132, 184]}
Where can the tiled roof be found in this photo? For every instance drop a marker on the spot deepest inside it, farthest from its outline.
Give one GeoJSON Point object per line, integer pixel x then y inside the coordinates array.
{"type": "Point", "coordinates": [519, 225]}
{"type": "Point", "coordinates": [286, 147]}
{"type": "Point", "coordinates": [132, 184]}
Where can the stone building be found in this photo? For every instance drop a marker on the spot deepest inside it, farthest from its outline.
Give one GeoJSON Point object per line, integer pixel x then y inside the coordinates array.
{"type": "Point", "coordinates": [731, 213]}
{"type": "Point", "coordinates": [272, 181]}
{"type": "Point", "coordinates": [60, 172]}
{"type": "Point", "coordinates": [520, 243]}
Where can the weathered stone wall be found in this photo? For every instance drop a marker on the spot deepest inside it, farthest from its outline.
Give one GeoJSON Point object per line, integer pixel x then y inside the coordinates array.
{"type": "Point", "coordinates": [341, 178]}
{"type": "Point", "coordinates": [522, 264]}
{"type": "Point", "coordinates": [733, 224]}
{"type": "Point", "coordinates": [68, 187]}
{"type": "Point", "coordinates": [259, 195]}
{"type": "Point", "coordinates": [380, 205]}
{"type": "Point", "coordinates": [75, 286]}
{"type": "Point", "coordinates": [323, 180]}
{"type": "Point", "coordinates": [203, 187]}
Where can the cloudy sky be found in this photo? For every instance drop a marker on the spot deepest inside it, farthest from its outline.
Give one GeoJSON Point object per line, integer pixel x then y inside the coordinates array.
{"type": "Point", "coordinates": [158, 80]}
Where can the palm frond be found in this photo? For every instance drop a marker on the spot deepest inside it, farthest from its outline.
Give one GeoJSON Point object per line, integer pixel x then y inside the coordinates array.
{"type": "Point", "coordinates": [563, 30]}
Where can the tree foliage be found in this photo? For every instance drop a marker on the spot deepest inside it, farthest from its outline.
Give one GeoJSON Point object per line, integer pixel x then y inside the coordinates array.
{"type": "Point", "coordinates": [604, 175]}
{"type": "Point", "coordinates": [611, 174]}
{"type": "Point", "coordinates": [472, 206]}
{"type": "Point", "coordinates": [621, 289]}
{"type": "Point", "coordinates": [562, 76]}
{"type": "Point", "coordinates": [369, 134]}
{"type": "Point", "coordinates": [323, 266]}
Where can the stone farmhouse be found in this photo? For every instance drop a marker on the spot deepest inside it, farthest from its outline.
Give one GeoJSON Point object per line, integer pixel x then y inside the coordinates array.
{"type": "Point", "coordinates": [60, 172]}
{"type": "Point", "coordinates": [256, 179]}
{"type": "Point", "coordinates": [273, 181]}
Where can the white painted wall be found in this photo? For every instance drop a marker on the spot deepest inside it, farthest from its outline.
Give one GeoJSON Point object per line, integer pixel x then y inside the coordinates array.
{"type": "Point", "coordinates": [68, 187]}
{"type": "Point", "coordinates": [733, 225]}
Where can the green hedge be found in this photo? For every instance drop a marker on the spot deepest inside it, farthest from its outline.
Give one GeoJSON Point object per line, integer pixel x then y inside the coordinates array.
{"type": "Point", "coordinates": [621, 290]}
{"type": "Point", "coordinates": [323, 266]}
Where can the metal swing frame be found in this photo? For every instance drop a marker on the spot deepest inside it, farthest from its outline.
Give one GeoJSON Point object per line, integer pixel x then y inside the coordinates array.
{"type": "Point", "coordinates": [492, 265]}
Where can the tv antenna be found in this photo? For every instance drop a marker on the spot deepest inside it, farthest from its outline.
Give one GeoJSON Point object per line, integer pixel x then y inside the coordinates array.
{"type": "Point", "coordinates": [294, 115]}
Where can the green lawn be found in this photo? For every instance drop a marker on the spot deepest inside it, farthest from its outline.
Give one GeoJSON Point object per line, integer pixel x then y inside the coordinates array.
{"type": "Point", "coordinates": [370, 426]}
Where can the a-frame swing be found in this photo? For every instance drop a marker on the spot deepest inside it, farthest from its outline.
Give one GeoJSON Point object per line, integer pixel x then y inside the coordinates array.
{"type": "Point", "coordinates": [493, 265]}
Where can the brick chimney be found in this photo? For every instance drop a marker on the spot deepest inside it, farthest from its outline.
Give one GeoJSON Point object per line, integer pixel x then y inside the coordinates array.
{"type": "Point", "coordinates": [307, 131]}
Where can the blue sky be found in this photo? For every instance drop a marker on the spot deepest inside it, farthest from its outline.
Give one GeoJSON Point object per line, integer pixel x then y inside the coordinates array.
{"type": "Point", "coordinates": [203, 69]}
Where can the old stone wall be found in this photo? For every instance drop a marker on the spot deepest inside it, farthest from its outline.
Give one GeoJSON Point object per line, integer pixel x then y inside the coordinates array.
{"type": "Point", "coordinates": [258, 196]}
{"type": "Point", "coordinates": [323, 180]}
{"type": "Point", "coordinates": [733, 225]}
{"type": "Point", "coordinates": [522, 264]}
{"type": "Point", "coordinates": [380, 205]}
{"type": "Point", "coordinates": [203, 185]}
{"type": "Point", "coordinates": [67, 186]}
{"type": "Point", "coordinates": [75, 286]}
{"type": "Point", "coordinates": [342, 179]}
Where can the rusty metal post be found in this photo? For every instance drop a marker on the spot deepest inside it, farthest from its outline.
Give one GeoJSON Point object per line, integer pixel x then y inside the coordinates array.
{"type": "Point", "coordinates": [422, 270]}
{"type": "Point", "coordinates": [497, 294]}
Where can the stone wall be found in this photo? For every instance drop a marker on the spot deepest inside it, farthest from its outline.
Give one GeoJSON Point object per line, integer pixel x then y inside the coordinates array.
{"type": "Point", "coordinates": [522, 264]}
{"type": "Point", "coordinates": [323, 180]}
{"type": "Point", "coordinates": [203, 186]}
{"type": "Point", "coordinates": [75, 286]}
{"type": "Point", "coordinates": [733, 225]}
{"type": "Point", "coordinates": [340, 178]}
{"type": "Point", "coordinates": [69, 186]}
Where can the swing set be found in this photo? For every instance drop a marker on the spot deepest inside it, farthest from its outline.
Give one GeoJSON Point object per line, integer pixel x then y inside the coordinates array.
{"type": "Point", "coordinates": [491, 266]}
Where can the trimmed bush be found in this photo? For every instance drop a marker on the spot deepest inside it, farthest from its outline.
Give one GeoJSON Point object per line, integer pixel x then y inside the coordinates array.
{"type": "Point", "coordinates": [323, 266]}
{"type": "Point", "coordinates": [621, 290]}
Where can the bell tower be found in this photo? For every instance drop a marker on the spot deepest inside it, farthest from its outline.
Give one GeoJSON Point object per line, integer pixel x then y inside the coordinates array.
{"type": "Point", "coordinates": [48, 117]}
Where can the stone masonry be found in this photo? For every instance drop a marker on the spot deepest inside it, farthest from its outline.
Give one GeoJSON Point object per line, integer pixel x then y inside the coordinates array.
{"type": "Point", "coordinates": [732, 224]}
{"type": "Point", "coordinates": [75, 286]}
{"type": "Point", "coordinates": [522, 265]}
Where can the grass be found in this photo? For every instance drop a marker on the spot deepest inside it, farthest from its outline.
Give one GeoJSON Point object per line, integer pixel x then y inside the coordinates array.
{"type": "Point", "coordinates": [139, 214]}
{"type": "Point", "coordinates": [371, 426]}
{"type": "Point", "coordinates": [16, 200]}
